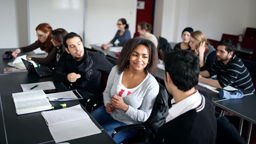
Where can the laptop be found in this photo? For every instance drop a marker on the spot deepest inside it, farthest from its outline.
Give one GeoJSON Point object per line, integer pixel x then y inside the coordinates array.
{"type": "Point", "coordinates": [39, 71]}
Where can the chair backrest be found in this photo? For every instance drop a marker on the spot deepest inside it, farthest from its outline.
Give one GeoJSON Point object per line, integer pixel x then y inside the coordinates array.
{"type": "Point", "coordinates": [234, 38]}
{"type": "Point", "coordinates": [213, 42]}
{"type": "Point", "coordinates": [250, 32]}
{"type": "Point", "coordinates": [160, 110]}
{"type": "Point", "coordinates": [248, 42]}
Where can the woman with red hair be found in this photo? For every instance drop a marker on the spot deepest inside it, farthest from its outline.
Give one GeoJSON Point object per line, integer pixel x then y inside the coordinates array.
{"type": "Point", "coordinates": [44, 34]}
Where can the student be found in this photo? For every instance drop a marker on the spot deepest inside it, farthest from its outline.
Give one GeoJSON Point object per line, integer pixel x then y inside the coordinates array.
{"type": "Point", "coordinates": [144, 29]}
{"type": "Point", "coordinates": [131, 88]}
{"type": "Point", "coordinates": [205, 51]}
{"type": "Point", "coordinates": [191, 117]}
{"type": "Point", "coordinates": [44, 34]}
{"type": "Point", "coordinates": [57, 41]}
{"type": "Point", "coordinates": [122, 35]}
{"type": "Point", "coordinates": [186, 33]}
{"type": "Point", "coordinates": [79, 68]}
{"type": "Point", "coordinates": [229, 69]}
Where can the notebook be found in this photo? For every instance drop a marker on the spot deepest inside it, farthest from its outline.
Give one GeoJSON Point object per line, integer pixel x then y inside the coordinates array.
{"type": "Point", "coordinates": [39, 71]}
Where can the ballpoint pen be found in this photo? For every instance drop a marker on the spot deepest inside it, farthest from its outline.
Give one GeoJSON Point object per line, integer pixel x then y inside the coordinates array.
{"type": "Point", "coordinates": [34, 87]}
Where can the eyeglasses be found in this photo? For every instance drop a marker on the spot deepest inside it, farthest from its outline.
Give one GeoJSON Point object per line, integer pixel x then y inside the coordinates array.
{"type": "Point", "coordinates": [40, 35]}
{"type": "Point", "coordinates": [119, 24]}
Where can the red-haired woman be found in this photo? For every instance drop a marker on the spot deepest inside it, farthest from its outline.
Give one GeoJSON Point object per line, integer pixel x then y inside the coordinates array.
{"type": "Point", "coordinates": [44, 34]}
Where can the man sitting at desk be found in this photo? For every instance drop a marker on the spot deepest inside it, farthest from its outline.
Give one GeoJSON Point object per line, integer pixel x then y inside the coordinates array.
{"type": "Point", "coordinates": [79, 68]}
{"type": "Point", "coordinates": [191, 117]}
{"type": "Point", "coordinates": [229, 69]}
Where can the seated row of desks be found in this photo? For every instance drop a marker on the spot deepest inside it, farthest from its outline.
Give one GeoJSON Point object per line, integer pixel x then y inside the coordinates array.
{"type": "Point", "coordinates": [244, 108]}
{"type": "Point", "coordinates": [31, 128]}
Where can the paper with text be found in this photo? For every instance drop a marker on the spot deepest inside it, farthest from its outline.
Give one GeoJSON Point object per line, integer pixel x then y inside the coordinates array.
{"type": "Point", "coordinates": [69, 123]}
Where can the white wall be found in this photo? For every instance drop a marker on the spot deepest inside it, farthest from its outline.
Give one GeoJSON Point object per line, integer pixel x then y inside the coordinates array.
{"type": "Point", "coordinates": [8, 24]}
{"type": "Point", "coordinates": [101, 17]}
{"type": "Point", "coordinates": [211, 17]}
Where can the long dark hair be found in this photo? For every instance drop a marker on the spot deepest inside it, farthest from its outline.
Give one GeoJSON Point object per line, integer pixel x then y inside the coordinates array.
{"type": "Point", "coordinates": [146, 26]}
{"type": "Point", "coordinates": [129, 46]}
{"type": "Point", "coordinates": [58, 35]}
{"type": "Point", "coordinates": [47, 45]}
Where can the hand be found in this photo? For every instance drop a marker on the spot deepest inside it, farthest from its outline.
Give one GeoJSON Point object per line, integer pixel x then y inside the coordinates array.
{"type": "Point", "coordinates": [110, 108]}
{"type": "Point", "coordinates": [104, 46]}
{"type": "Point", "coordinates": [72, 77]}
{"type": "Point", "coordinates": [15, 53]}
{"type": "Point", "coordinates": [28, 58]}
{"type": "Point", "coordinates": [118, 102]}
{"type": "Point", "coordinates": [202, 48]}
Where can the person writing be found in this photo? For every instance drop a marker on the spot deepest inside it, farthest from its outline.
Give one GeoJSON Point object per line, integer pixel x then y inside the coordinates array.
{"type": "Point", "coordinates": [44, 34]}
{"type": "Point", "coordinates": [186, 33]}
{"type": "Point", "coordinates": [131, 88]}
{"type": "Point", "coordinates": [57, 41]}
{"type": "Point", "coordinates": [144, 30]}
{"type": "Point", "coordinates": [205, 51]}
{"type": "Point", "coordinates": [122, 35]}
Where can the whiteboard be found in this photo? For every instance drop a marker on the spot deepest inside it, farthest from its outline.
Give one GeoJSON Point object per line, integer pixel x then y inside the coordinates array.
{"type": "Point", "coordinates": [67, 14]}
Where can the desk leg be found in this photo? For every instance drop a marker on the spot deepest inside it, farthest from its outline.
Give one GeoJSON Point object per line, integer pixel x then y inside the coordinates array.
{"type": "Point", "coordinates": [241, 126]}
{"type": "Point", "coordinates": [249, 132]}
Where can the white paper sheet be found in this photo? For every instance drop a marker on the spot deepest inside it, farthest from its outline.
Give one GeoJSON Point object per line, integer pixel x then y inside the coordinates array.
{"type": "Point", "coordinates": [115, 49]}
{"type": "Point", "coordinates": [214, 89]}
{"type": "Point", "coordinates": [48, 85]}
{"type": "Point", "coordinates": [62, 96]}
{"type": "Point", "coordinates": [69, 123]}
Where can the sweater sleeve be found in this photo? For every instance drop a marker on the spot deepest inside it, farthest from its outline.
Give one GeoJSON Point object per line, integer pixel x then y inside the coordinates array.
{"type": "Point", "coordinates": [59, 74]}
{"type": "Point", "coordinates": [126, 37]}
{"type": "Point", "coordinates": [114, 39]}
{"type": "Point", "coordinates": [211, 58]}
{"type": "Point", "coordinates": [229, 77]}
{"type": "Point", "coordinates": [107, 93]}
{"type": "Point", "coordinates": [50, 57]}
{"type": "Point", "coordinates": [29, 48]}
{"type": "Point", "coordinates": [103, 64]}
{"type": "Point", "coordinates": [142, 114]}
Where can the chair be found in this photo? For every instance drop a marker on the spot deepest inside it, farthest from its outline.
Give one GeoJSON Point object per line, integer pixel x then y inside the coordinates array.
{"type": "Point", "coordinates": [250, 32]}
{"type": "Point", "coordinates": [156, 119]}
{"type": "Point", "coordinates": [95, 101]}
{"type": "Point", "coordinates": [248, 42]}
{"type": "Point", "coordinates": [234, 38]}
{"type": "Point", "coordinates": [213, 42]}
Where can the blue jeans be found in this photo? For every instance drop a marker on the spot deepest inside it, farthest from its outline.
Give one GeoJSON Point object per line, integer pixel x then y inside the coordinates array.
{"type": "Point", "coordinates": [109, 124]}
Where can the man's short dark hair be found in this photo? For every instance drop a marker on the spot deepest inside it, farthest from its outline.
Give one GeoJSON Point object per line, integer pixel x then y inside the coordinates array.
{"type": "Point", "coordinates": [230, 46]}
{"type": "Point", "coordinates": [68, 36]}
{"type": "Point", "coordinates": [183, 68]}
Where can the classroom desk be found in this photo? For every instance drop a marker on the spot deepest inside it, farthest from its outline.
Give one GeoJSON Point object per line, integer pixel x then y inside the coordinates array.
{"type": "Point", "coordinates": [245, 50]}
{"type": "Point", "coordinates": [4, 62]}
{"type": "Point", "coordinates": [31, 128]}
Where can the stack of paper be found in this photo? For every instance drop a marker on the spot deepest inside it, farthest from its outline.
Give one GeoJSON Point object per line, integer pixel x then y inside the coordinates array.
{"type": "Point", "coordinates": [69, 123]}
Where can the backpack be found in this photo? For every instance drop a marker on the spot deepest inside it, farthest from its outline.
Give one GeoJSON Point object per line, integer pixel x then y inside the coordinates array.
{"type": "Point", "coordinates": [159, 111]}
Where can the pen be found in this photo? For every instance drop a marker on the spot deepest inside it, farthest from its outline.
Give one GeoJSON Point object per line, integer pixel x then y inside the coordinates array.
{"type": "Point", "coordinates": [60, 106]}
{"type": "Point", "coordinates": [34, 87]}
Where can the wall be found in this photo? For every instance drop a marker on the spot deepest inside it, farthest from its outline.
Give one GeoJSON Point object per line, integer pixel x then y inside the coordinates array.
{"type": "Point", "coordinates": [101, 17]}
{"type": "Point", "coordinates": [211, 17]}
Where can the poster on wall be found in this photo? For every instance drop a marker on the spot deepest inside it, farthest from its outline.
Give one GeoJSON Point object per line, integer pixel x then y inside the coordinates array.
{"type": "Point", "coordinates": [140, 4]}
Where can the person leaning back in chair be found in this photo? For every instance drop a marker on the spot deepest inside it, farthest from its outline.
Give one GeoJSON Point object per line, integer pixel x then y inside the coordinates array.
{"type": "Point", "coordinates": [191, 116]}
{"type": "Point", "coordinates": [79, 68]}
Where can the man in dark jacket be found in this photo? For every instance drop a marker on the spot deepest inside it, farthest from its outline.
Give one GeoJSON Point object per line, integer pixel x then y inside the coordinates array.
{"type": "Point", "coordinates": [191, 116]}
{"type": "Point", "coordinates": [79, 68]}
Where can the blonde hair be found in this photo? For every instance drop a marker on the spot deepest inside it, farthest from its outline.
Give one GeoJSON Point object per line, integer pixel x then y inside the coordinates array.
{"type": "Point", "coordinates": [199, 37]}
